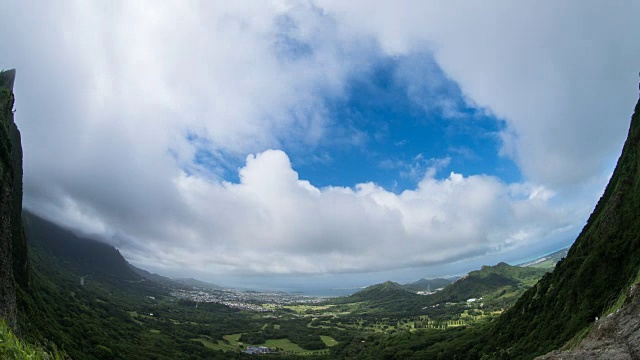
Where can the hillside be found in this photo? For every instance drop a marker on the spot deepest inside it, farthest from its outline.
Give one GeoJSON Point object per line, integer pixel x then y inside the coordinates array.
{"type": "Point", "coordinates": [427, 284]}
{"type": "Point", "coordinates": [386, 291]}
{"type": "Point", "coordinates": [388, 297]}
{"type": "Point", "coordinates": [498, 285]}
{"type": "Point", "coordinates": [84, 256]}
{"type": "Point", "coordinates": [158, 279]}
{"type": "Point", "coordinates": [599, 267]}
{"type": "Point", "coordinates": [615, 336]}
{"type": "Point", "coordinates": [501, 284]}
{"type": "Point", "coordinates": [109, 316]}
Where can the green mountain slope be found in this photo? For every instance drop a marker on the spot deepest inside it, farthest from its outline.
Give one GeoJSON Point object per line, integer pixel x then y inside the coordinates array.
{"type": "Point", "coordinates": [501, 284]}
{"type": "Point", "coordinates": [498, 285]}
{"type": "Point", "coordinates": [598, 268]}
{"type": "Point", "coordinates": [158, 279]}
{"type": "Point", "coordinates": [427, 284]}
{"type": "Point", "coordinates": [388, 298]}
{"type": "Point", "coordinates": [386, 291]}
{"type": "Point", "coordinates": [83, 256]}
{"type": "Point", "coordinates": [116, 314]}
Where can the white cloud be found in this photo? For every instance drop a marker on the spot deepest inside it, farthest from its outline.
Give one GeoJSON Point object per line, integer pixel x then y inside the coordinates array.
{"type": "Point", "coordinates": [274, 222]}
{"type": "Point", "coordinates": [562, 75]}
{"type": "Point", "coordinates": [107, 94]}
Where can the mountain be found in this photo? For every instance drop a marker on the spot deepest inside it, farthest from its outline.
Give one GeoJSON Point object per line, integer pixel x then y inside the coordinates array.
{"type": "Point", "coordinates": [501, 283]}
{"type": "Point", "coordinates": [14, 269]}
{"type": "Point", "coordinates": [548, 261]}
{"type": "Point", "coordinates": [388, 290]}
{"type": "Point", "coordinates": [498, 285]}
{"type": "Point", "coordinates": [83, 256]}
{"type": "Point", "coordinates": [602, 265]}
{"type": "Point", "coordinates": [159, 279]}
{"type": "Point", "coordinates": [427, 284]}
{"type": "Point", "coordinates": [388, 297]}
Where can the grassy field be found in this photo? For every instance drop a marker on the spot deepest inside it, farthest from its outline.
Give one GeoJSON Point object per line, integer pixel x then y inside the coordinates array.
{"type": "Point", "coordinates": [231, 343]}
{"type": "Point", "coordinates": [217, 345]}
{"type": "Point", "coordinates": [309, 309]}
{"type": "Point", "coordinates": [292, 348]}
{"type": "Point", "coordinates": [328, 340]}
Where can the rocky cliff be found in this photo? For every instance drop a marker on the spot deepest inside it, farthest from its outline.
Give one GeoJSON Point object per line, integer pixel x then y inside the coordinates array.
{"type": "Point", "coordinates": [601, 266]}
{"type": "Point", "coordinates": [616, 336]}
{"type": "Point", "coordinates": [13, 247]}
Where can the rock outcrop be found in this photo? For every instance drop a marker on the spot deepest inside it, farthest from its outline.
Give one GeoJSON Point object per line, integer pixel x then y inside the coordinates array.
{"type": "Point", "coordinates": [614, 337]}
{"type": "Point", "coordinates": [13, 247]}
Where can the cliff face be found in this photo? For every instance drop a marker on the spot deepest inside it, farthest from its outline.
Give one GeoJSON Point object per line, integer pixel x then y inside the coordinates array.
{"type": "Point", "coordinates": [616, 336]}
{"type": "Point", "coordinates": [602, 263]}
{"type": "Point", "coordinates": [13, 247]}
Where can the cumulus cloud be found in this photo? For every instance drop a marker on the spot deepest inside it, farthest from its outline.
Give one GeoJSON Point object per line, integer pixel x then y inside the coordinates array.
{"type": "Point", "coordinates": [271, 214]}
{"type": "Point", "coordinates": [130, 112]}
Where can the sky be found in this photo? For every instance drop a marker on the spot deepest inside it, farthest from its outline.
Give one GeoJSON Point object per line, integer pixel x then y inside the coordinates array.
{"type": "Point", "coordinates": [287, 144]}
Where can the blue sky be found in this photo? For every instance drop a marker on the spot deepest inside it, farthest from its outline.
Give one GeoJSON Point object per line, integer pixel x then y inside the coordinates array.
{"type": "Point", "coordinates": [400, 136]}
{"type": "Point", "coordinates": [389, 131]}
{"type": "Point", "coordinates": [334, 142]}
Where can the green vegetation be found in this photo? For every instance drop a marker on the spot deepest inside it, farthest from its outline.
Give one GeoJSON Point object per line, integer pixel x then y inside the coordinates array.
{"type": "Point", "coordinates": [494, 287]}
{"type": "Point", "coordinates": [110, 317]}
{"type": "Point", "coordinates": [499, 286]}
{"type": "Point", "coordinates": [601, 264]}
{"type": "Point", "coordinates": [12, 348]}
{"type": "Point", "coordinates": [427, 284]}
{"type": "Point", "coordinates": [329, 341]}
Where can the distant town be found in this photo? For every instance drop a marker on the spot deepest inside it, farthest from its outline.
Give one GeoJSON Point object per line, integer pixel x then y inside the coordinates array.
{"type": "Point", "coordinates": [244, 300]}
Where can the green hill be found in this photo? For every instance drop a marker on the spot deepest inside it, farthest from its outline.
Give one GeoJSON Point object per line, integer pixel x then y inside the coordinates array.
{"type": "Point", "coordinates": [427, 284]}
{"type": "Point", "coordinates": [501, 284]}
{"type": "Point", "coordinates": [388, 297]}
{"type": "Point", "coordinates": [388, 290]}
{"type": "Point", "coordinates": [498, 285]}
